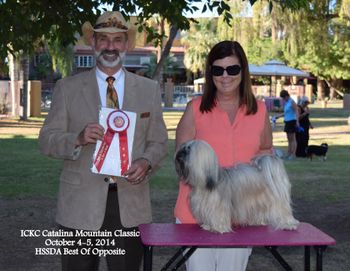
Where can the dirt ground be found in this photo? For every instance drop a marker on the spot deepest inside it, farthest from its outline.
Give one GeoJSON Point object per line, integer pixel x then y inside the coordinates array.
{"type": "Point", "coordinates": [18, 253]}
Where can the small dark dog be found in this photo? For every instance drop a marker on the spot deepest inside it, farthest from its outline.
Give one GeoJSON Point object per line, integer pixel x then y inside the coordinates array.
{"type": "Point", "coordinates": [318, 151]}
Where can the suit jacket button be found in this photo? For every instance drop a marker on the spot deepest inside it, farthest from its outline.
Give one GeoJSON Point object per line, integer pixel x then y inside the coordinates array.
{"type": "Point", "coordinates": [106, 179]}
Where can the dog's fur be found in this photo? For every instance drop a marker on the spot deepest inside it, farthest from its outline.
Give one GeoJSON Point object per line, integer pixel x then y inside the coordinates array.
{"type": "Point", "coordinates": [256, 194]}
{"type": "Point", "coordinates": [321, 151]}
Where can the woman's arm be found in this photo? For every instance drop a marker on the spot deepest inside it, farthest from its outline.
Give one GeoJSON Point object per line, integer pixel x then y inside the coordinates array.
{"type": "Point", "coordinates": [303, 115]}
{"type": "Point", "coordinates": [296, 109]}
{"type": "Point", "coordinates": [300, 114]}
{"type": "Point", "coordinates": [266, 137]}
{"type": "Point", "coordinates": [185, 130]}
{"type": "Point", "coordinates": [307, 111]}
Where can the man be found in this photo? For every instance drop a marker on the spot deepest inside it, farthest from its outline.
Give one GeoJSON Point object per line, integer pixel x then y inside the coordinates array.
{"type": "Point", "coordinates": [96, 202]}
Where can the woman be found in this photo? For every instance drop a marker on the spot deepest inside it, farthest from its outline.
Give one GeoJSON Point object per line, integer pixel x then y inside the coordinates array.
{"type": "Point", "coordinates": [236, 125]}
{"type": "Point", "coordinates": [291, 122]}
{"type": "Point", "coordinates": [302, 137]}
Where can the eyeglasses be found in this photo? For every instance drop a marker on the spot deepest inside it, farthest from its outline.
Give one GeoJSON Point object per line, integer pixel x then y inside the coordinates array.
{"type": "Point", "coordinates": [231, 70]}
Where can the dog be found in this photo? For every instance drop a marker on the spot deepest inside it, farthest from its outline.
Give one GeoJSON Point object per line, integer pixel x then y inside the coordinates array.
{"type": "Point", "coordinates": [246, 194]}
{"type": "Point", "coordinates": [321, 151]}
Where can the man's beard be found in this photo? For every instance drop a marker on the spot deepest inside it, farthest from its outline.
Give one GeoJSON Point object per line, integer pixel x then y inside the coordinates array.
{"type": "Point", "coordinates": [110, 58]}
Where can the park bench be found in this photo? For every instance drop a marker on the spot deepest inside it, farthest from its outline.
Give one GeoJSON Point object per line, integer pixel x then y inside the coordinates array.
{"type": "Point", "coordinates": [190, 236]}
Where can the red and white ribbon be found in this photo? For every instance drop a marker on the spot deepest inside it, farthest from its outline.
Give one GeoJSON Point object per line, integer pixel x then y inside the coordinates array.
{"type": "Point", "coordinates": [117, 123]}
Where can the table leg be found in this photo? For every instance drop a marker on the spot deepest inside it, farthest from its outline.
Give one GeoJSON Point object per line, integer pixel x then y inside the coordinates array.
{"type": "Point", "coordinates": [184, 258]}
{"type": "Point", "coordinates": [172, 259]}
{"type": "Point", "coordinates": [278, 257]}
{"type": "Point", "coordinates": [147, 259]}
{"type": "Point", "coordinates": [319, 254]}
{"type": "Point", "coordinates": [307, 258]}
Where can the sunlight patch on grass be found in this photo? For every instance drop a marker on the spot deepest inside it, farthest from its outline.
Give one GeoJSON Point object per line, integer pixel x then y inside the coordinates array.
{"type": "Point", "coordinates": [25, 172]}
{"type": "Point", "coordinates": [11, 136]}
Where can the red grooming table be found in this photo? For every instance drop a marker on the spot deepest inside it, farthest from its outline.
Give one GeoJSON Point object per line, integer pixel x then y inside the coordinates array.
{"type": "Point", "coordinates": [191, 236]}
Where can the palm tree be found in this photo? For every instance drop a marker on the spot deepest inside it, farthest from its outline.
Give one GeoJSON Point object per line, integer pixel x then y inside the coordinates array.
{"type": "Point", "coordinates": [198, 41]}
{"type": "Point", "coordinates": [170, 66]}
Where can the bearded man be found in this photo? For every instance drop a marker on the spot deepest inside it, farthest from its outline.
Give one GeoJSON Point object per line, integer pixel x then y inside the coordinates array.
{"type": "Point", "coordinates": [99, 205]}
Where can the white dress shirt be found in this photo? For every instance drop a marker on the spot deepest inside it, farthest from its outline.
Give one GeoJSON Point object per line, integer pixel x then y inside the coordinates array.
{"type": "Point", "coordinates": [119, 83]}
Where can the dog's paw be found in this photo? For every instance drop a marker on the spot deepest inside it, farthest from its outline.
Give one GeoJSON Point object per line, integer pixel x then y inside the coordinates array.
{"type": "Point", "coordinates": [207, 228]}
{"type": "Point", "coordinates": [216, 229]}
{"type": "Point", "coordinates": [291, 224]}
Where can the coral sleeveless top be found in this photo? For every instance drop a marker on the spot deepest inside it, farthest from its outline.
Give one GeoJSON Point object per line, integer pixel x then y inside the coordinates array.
{"type": "Point", "coordinates": [233, 143]}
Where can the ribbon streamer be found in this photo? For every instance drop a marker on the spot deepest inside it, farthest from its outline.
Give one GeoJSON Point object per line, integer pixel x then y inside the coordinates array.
{"type": "Point", "coordinates": [117, 123]}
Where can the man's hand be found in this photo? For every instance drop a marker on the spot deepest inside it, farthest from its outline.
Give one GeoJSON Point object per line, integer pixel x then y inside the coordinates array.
{"type": "Point", "coordinates": [138, 171]}
{"type": "Point", "coordinates": [90, 134]}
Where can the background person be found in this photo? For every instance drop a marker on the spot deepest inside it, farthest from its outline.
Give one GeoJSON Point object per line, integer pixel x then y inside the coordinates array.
{"type": "Point", "coordinates": [236, 125]}
{"type": "Point", "coordinates": [89, 201]}
{"type": "Point", "coordinates": [303, 136]}
{"type": "Point", "coordinates": [291, 122]}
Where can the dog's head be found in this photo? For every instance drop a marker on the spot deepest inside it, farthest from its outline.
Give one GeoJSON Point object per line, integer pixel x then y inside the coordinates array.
{"type": "Point", "coordinates": [197, 164]}
{"type": "Point", "coordinates": [324, 145]}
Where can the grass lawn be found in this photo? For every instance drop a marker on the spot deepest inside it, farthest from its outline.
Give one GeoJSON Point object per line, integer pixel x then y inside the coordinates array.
{"type": "Point", "coordinates": [24, 172]}
{"type": "Point", "coordinates": [318, 180]}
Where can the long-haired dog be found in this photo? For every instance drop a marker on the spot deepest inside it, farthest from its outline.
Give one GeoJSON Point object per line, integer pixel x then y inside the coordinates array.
{"type": "Point", "coordinates": [247, 194]}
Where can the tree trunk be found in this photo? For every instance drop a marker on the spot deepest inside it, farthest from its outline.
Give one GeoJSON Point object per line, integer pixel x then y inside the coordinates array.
{"type": "Point", "coordinates": [160, 78]}
{"type": "Point", "coordinates": [321, 91]}
{"type": "Point", "coordinates": [165, 53]}
{"type": "Point", "coordinates": [189, 77]}
{"type": "Point", "coordinates": [25, 76]}
{"type": "Point", "coordinates": [273, 26]}
{"type": "Point", "coordinates": [14, 75]}
{"type": "Point", "coordinates": [334, 86]}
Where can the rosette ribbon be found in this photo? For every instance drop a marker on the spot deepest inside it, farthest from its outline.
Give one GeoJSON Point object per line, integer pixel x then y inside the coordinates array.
{"type": "Point", "coordinates": [117, 123]}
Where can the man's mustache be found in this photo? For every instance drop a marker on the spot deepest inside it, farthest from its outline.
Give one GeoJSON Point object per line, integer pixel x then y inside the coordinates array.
{"type": "Point", "coordinates": [109, 52]}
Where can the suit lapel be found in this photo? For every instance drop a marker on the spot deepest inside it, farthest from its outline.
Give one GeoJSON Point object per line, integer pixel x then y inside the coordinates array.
{"type": "Point", "coordinates": [130, 92]}
{"type": "Point", "coordinates": [91, 93]}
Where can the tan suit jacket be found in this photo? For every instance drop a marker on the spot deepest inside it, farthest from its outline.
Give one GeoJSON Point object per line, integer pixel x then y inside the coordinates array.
{"type": "Point", "coordinates": [82, 194]}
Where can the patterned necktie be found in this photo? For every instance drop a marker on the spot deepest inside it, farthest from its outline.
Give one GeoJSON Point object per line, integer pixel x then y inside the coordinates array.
{"type": "Point", "coordinates": [112, 96]}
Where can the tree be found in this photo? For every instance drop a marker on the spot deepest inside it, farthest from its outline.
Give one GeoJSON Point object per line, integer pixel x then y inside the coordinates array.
{"type": "Point", "coordinates": [170, 66]}
{"type": "Point", "coordinates": [314, 38]}
{"type": "Point", "coordinates": [62, 57]}
{"type": "Point", "coordinates": [198, 41]}
{"type": "Point", "coordinates": [43, 67]}
{"type": "Point", "coordinates": [24, 22]}
{"type": "Point", "coordinates": [240, 28]}
{"type": "Point", "coordinates": [253, 33]}
{"type": "Point", "coordinates": [172, 12]}
{"type": "Point", "coordinates": [317, 39]}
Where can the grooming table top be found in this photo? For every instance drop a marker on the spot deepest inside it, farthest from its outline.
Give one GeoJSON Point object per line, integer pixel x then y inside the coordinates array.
{"type": "Point", "coordinates": [192, 235]}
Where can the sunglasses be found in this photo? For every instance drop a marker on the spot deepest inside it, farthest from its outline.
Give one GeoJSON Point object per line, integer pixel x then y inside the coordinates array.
{"type": "Point", "coordinates": [231, 70]}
